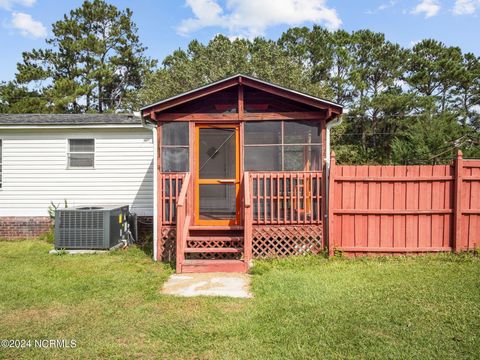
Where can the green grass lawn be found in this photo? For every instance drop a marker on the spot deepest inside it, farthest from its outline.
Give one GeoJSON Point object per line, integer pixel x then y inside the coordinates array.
{"type": "Point", "coordinates": [402, 307]}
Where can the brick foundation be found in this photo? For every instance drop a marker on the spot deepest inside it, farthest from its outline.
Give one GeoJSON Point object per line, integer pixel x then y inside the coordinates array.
{"type": "Point", "coordinates": [23, 227]}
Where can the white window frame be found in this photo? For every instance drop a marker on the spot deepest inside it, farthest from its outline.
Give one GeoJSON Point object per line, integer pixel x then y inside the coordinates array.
{"type": "Point", "coordinates": [81, 152]}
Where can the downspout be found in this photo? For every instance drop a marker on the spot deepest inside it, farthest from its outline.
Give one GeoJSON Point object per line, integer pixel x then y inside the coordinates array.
{"type": "Point", "coordinates": [149, 125]}
{"type": "Point", "coordinates": [329, 126]}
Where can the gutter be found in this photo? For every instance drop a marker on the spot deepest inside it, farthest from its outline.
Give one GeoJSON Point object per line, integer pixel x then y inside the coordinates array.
{"type": "Point", "coordinates": [329, 126]}
{"type": "Point", "coordinates": [149, 125]}
{"type": "Point", "coordinates": [71, 126]}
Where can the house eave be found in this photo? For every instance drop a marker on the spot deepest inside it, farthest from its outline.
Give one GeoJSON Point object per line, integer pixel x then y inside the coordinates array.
{"type": "Point", "coordinates": [83, 126]}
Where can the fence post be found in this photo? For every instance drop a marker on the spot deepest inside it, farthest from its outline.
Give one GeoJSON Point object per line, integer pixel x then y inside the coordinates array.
{"type": "Point", "coordinates": [457, 215]}
{"type": "Point", "coordinates": [331, 192]}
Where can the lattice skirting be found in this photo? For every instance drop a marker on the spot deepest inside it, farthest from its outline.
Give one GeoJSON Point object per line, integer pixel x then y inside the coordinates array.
{"type": "Point", "coordinates": [167, 244]}
{"type": "Point", "coordinates": [268, 241]}
{"type": "Point", "coordinates": [276, 240]}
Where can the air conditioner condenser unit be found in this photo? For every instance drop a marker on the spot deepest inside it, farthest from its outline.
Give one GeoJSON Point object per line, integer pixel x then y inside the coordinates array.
{"type": "Point", "coordinates": [91, 227]}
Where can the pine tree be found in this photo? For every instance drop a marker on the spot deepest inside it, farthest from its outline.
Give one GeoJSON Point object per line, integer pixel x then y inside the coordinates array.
{"type": "Point", "coordinates": [15, 99]}
{"type": "Point", "coordinates": [94, 61]}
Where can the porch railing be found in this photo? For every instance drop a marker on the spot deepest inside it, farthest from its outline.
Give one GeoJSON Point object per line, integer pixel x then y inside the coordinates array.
{"type": "Point", "coordinates": [183, 221]}
{"type": "Point", "coordinates": [276, 197]}
{"type": "Point", "coordinates": [171, 184]}
{"type": "Point", "coordinates": [286, 198]}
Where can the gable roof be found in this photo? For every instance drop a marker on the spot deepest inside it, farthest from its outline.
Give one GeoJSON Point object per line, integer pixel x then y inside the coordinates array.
{"type": "Point", "coordinates": [68, 119]}
{"type": "Point", "coordinates": [245, 80]}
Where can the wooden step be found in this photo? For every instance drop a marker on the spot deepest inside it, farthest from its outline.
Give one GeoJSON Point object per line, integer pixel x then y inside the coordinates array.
{"type": "Point", "coordinates": [213, 250]}
{"type": "Point", "coordinates": [215, 238]}
{"type": "Point", "coordinates": [221, 227]}
{"type": "Point", "coordinates": [205, 266]}
{"type": "Point", "coordinates": [216, 233]}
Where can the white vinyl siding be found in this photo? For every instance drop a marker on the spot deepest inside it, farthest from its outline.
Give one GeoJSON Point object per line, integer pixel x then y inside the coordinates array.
{"type": "Point", "coordinates": [0, 163]}
{"type": "Point", "coordinates": [35, 171]}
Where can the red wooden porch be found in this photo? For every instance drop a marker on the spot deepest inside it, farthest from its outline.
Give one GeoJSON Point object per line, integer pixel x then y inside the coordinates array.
{"type": "Point", "coordinates": [240, 174]}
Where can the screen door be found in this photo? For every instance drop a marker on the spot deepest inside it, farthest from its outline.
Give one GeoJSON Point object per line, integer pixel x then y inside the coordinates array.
{"type": "Point", "coordinates": [217, 170]}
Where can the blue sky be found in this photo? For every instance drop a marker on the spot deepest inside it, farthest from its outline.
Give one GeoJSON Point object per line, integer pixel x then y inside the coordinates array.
{"type": "Point", "coordinates": [165, 25]}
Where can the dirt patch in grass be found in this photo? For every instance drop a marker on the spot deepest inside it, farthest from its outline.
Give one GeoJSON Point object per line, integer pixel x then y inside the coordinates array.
{"type": "Point", "coordinates": [26, 317]}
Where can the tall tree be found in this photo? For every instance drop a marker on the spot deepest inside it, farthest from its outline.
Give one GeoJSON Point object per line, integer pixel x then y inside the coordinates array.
{"type": "Point", "coordinates": [467, 92]}
{"type": "Point", "coordinates": [93, 62]}
{"type": "Point", "coordinates": [201, 64]}
{"type": "Point", "coordinates": [378, 102]}
{"type": "Point", "coordinates": [326, 57]}
{"type": "Point", "coordinates": [15, 99]}
{"type": "Point", "coordinates": [434, 140]}
{"type": "Point", "coordinates": [332, 61]}
{"type": "Point", "coordinates": [432, 70]}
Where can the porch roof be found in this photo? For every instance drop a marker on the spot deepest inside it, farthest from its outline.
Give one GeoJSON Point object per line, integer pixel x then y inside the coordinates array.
{"type": "Point", "coordinates": [332, 108]}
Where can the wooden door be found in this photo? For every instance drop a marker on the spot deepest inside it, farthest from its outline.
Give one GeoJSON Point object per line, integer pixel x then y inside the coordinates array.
{"type": "Point", "coordinates": [217, 180]}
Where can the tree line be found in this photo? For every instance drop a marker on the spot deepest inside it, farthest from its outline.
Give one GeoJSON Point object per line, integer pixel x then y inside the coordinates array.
{"type": "Point", "coordinates": [404, 105]}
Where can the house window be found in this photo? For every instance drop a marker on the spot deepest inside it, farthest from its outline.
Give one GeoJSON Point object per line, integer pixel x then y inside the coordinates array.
{"type": "Point", "coordinates": [81, 153]}
{"type": "Point", "coordinates": [283, 146]}
{"type": "Point", "coordinates": [174, 147]}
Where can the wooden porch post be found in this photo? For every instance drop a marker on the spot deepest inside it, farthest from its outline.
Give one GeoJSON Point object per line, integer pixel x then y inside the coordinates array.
{"type": "Point", "coordinates": [160, 246]}
{"type": "Point", "coordinates": [323, 216]}
{"type": "Point", "coordinates": [247, 221]}
{"type": "Point", "coordinates": [241, 106]}
{"type": "Point", "coordinates": [331, 192]}
{"type": "Point", "coordinates": [457, 215]}
{"type": "Point", "coordinates": [183, 222]}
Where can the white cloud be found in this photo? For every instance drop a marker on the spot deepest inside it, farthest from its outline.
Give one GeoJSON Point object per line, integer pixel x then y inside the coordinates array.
{"type": "Point", "coordinates": [465, 7]}
{"type": "Point", "coordinates": [235, 37]}
{"type": "Point", "coordinates": [8, 4]}
{"type": "Point", "coordinates": [251, 18]}
{"type": "Point", "coordinates": [28, 26]}
{"type": "Point", "coordinates": [428, 7]}
{"type": "Point", "coordinates": [386, 5]}
{"type": "Point", "coordinates": [382, 7]}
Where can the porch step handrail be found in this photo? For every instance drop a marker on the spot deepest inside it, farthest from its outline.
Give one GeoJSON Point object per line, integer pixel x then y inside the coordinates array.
{"type": "Point", "coordinates": [183, 192]}
{"type": "Point", "coordinates": [183, 222]}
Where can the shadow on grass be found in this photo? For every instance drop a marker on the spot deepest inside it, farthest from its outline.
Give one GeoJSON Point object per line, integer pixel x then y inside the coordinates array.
{"type": "Point", "coordinates": [145, 243]}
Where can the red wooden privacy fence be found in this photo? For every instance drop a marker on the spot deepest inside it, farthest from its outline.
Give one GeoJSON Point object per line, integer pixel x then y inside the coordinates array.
{"type": "Point", "coordinates": [403, 209]}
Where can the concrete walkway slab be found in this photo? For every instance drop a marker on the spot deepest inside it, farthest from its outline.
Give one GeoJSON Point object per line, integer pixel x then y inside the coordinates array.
{"type": "Point", "coordinates": [235, 285]}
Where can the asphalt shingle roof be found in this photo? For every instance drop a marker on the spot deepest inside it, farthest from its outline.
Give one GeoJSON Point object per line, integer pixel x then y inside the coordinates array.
{"type": "Point", "coordinates": [68, 119]}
